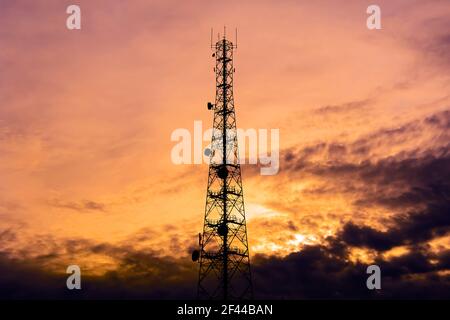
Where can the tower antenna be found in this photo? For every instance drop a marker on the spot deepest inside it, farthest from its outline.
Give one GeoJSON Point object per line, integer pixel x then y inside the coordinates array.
{"type": "Point", "coordinates": [211, 38]}
{"type": "Point", "coordinates": [223, 255]}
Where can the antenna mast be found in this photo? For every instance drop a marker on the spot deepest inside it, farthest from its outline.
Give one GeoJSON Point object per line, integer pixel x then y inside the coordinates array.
{"type": "Point", "coordinates": [224, 255]}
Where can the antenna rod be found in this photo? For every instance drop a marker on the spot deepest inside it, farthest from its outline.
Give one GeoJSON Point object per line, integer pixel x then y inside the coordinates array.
{"type": "Point", "coordinates": [211, 37]}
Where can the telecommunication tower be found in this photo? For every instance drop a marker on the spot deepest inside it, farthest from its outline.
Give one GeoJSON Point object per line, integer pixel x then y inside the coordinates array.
{"type": "Point", "coordinates": [223, 247]}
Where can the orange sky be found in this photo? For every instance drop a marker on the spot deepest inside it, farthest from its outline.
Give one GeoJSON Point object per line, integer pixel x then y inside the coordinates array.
{"type": "Point", "coordinates": [86, 116]}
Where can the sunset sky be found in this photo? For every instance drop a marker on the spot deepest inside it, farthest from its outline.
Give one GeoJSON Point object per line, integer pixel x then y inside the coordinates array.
{"type": "Point", "coordinates": [86, 175]}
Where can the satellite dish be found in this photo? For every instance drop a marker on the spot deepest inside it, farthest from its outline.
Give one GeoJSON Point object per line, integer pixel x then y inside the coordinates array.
{"type": "Point", "coordinates": [222, 172]}
{"type": "Point", "coordinates": [195, 255]}
{"type": "Point", "coordinates": [222, 230]}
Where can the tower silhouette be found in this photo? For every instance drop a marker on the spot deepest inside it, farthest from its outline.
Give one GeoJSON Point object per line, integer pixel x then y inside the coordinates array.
{"type": "Point", "coordinates": [224, 256]}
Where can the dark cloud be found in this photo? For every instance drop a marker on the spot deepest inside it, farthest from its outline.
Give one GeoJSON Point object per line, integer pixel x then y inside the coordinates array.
{"type": "Point", "coordinates": [345, 107]}
{"type": "Point", "coordinates": [435, 44]}
{"type": "Point", "coordinates": [325, 272]}
{"type": "Point", "coordinates": [317, 271]}
{"type": "Point", "coordinates": [413, 185]}
{"type": "Point", "coordinates": [321, 271]}
{"type": "Point", "coordinates": [139, 274]}
{"type": "Point", "coordinates": [440, 120]}
{"type": "Point", "coordinates": [7, 235]}
{"type": "Point", "coordinates": [299, 160]}
{"type": "Point", "coordinates": [82, 206]}
{"type": "Point", "coordinates": [407, 179]}
{"type": "Point", "coordinates": [410, 229]}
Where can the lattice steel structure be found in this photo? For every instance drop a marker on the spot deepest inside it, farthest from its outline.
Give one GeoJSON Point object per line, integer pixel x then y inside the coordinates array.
{"type": "Point", "coordinates": [224, 256]}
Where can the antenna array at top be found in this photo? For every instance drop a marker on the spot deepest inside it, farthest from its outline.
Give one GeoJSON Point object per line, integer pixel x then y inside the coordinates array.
{"type": "Point", "coordinates": [219, 37]}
